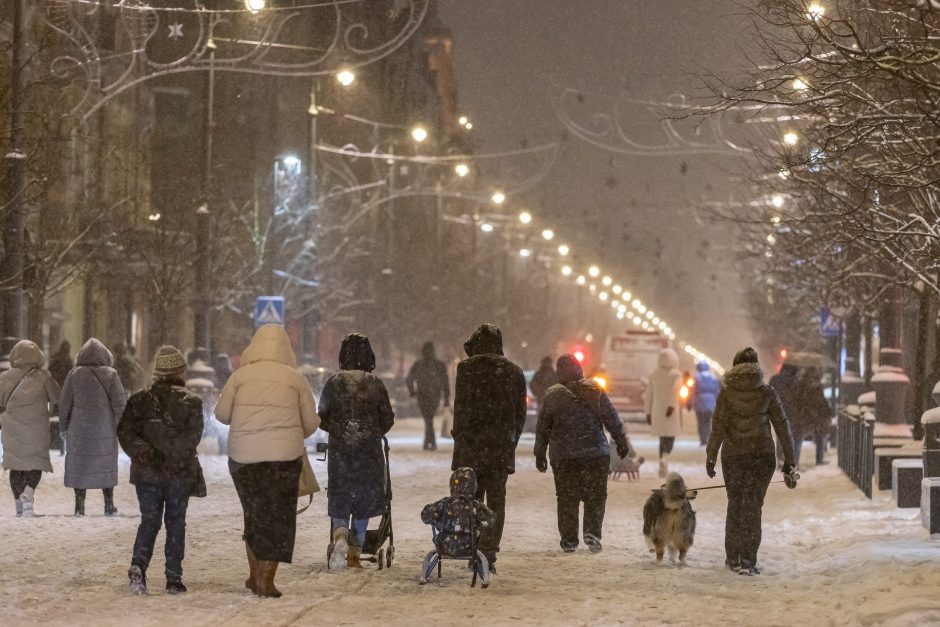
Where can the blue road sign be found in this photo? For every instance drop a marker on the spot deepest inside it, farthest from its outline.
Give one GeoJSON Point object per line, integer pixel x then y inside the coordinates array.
{"type": "Point", "coordinates": [829, 325]}
{"type": "Point", "coordinates": [269, 310]}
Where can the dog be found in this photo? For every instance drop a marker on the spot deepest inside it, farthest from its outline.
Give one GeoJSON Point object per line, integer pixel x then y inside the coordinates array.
{"type": "Point", "coordinates": [669, 520]}
{"type": "Point", "coordinates": [629, 466]}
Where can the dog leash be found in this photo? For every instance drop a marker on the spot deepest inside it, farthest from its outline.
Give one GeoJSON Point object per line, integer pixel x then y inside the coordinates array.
{"type": "Point", "coordinates": [715, 487]}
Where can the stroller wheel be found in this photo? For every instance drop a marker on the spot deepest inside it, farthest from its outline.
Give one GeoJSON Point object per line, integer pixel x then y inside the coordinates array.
{"type": "Point", "coordinates": [329, 554]}
{"type": "Point", "coordinates": [390, 555]}
{"type": "Point", "coordinates": [380, 558]}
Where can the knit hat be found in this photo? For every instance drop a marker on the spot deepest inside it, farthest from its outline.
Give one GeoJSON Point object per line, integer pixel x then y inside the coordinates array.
{"type": "Point", "coordinates": [745, 356]}
{"type": "Point", "coordinates": [168, 363]}
{"type": "Point", "coordinates": [569, 369]}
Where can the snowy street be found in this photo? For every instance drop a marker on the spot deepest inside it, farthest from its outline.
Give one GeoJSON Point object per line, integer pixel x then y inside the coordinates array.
{"type": "Point", "coordinates": [829, 558]}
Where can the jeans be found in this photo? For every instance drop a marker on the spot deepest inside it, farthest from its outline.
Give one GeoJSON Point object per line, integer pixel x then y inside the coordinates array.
{"type": "Point", "coordinates": [21, 479]}
{"type": "Point", "coordinates": [746, 480]}
{"type": "Point", "coordinates": [167, 501]}
{"type": "Point", "coordinates": [356, 526]}
{"type": "Point", "coordinates": [704, 419]}
{"type": "Point", "coordinates": [665, 446]}
{"type": "Point", "coordinates": [491, 485]}
{"type": "Point", "coordinates": [578, 480]}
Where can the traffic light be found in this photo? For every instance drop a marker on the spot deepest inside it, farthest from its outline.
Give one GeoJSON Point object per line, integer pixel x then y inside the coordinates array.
{"type": "Point", "coordinates": [783, 354]}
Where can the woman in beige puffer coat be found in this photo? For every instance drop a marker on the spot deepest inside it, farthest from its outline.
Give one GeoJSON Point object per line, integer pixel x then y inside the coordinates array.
{"type": "Point", "coordinates": [270, 410]}
{"type": "Point", "coordinates": [662, 403]}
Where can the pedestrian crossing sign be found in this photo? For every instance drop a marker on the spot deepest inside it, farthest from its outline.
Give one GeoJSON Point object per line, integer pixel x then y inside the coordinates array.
{"type": "Point", "coordinates": [269, 310]}
{"type": "Point", "coordinates": [829, 325]}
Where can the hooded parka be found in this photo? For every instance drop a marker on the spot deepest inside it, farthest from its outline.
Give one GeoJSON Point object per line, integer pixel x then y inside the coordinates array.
{"type": "Point", "coordinates": [267, 402]}
{"type": "Point", "coordinates": [356, 412]}
{"type": "Point", "coordinates": [489, 405]}
{"type": "Point", "coordinates": [663, 393]}
{"type": "Point", "coordinates": [25, 421]}
{"type": "Point", "coordinates": [89, 410]}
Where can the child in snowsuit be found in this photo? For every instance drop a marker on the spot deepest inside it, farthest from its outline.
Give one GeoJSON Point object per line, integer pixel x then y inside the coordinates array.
{"type": "Point", "coordinates": [458, 521]}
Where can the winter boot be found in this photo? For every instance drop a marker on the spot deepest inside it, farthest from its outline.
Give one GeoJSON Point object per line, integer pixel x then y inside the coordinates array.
{"type": "Point", "coordinates": [109, 508]}
{"type": "Point", "coordinates": [663, 466]}
{"type": "Point", "coordinates": [137, 578]}
{"type": "Point", "coordinates": [593, 543]}
{"type": "Point", "coordinates": [340, 548]}
{"type": "Point", "coordinates": [352, 557]}
{"type": "Point", "coordinates": [252, 569]}
{"type": "Point", "coordinates": [264, 586]}
{"type": "Point", "coordinates": [19, 507]}
{"type": "Point", "coordinates": [79, 503]}
{"type": "Point", "coordinates": [175, 586]}
{"type": "Point", "coordinates": [27, 499]}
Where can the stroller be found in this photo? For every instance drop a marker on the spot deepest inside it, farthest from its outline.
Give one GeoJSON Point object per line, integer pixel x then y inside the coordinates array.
{"type": "Point", "coordinates": [457, 522]}
{"type": "Point", "coordinates": [373, 547]}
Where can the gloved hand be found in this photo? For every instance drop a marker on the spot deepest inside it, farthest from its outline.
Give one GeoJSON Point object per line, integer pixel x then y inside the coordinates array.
{"type": "Point", "coordinates": [710, 469]}
{"type": "Point", "coordinates": [624, 449]}
{"type": "Point", "coordinates": [649, 419]}
{"type": "Point", "coordinates": [790, 475]}
{"type": "Point", "coordinates": [669, 411]}
{"type": "Point", "coordinates": [145, 457]}
{"type": "Point", "coordinates": [541, 464]}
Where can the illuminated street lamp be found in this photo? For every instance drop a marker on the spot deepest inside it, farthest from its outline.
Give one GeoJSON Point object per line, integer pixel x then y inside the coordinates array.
{"type": "Point", "coordinates": [607, 280]}
{"type": "Point", "coordinates": [815, 11]}
{"type": "Point", "coordinates": [566, 270]}
{"type": "Point", "coordinates": [498, 198]}
{"type": "Point", "coordinates": [486, 227]}
{"type": "Point", "coordinates": [563, 250]}
{"type": "Point", "coordinates": [462, 169]}
{"type": "Point", "coordinates": [468, 126]}
{"type": "Point", "coordinates": [525, 252]}
{"type": "Point", "coordinates": [581, 280]}
{"type": "Point", "coordinates": [777, 201]}
{"type": "Point", "coordinates": [345, 77]}
{"type": "Point", "coordinates": [594, 271]}
{"type": "Point", "coordinates": [791, 138]}
{"type": "Point", "coordinates": [548, 235]}
{"type": "Point", "coordinates": [617, 289]}
{"type": "Point", "coordinates": [525, 217]}
{"type": "Point", "coordinates": [419, 134]}
{"type": "Point", "coordinates": [800, 85]}
{"type": "Point", "coordinates": [254, 5]}
{"type": "Point", "coordinates": [462, 120]}
{"type": "Point", "coordinates": [603, 296]}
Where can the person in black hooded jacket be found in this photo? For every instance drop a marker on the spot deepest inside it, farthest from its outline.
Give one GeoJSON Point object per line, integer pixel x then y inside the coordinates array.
{"type": "Point", "coordinates": [354, 409]}
{"type": "Point", "coordinates": [746, 412]}
{"type": "Point", "coordinates": [571, 424]}
{"type": "Point", "coordinates": [489, 414]}
{"type": "Point", "coordinates": [427, 380]}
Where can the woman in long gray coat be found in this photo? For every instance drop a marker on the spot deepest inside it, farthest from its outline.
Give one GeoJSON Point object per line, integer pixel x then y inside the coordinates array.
{"type": "Point", "coordinates": [26, 392]}
{"type": "Point", "coordinates": [91, 404]}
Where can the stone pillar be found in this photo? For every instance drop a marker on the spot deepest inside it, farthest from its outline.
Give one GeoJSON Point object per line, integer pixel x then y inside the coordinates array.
{"type": "Point", "coordinates": [890, 381]}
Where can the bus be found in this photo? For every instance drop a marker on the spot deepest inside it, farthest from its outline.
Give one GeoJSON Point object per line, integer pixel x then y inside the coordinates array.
{"type": "Point", "coordinates": [626, 364]}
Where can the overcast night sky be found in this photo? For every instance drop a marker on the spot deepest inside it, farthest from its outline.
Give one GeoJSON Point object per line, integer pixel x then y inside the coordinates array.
{"type": "Point", "coordinates": [512, 57]}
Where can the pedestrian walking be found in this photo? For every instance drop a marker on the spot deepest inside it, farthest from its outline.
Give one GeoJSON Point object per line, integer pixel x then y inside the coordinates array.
{"type": "Point", "coordinates": [427, 380]}
{"type": "Point", "coordinates": [662, 397]}
{"type": "Point", "coordinates": [704, 397]}
{"type": "Point", "coordinates": [28, 395]}
{"type": "Point", "coordinates": [128, 368]}
{"type": "Point", "coordinates": [356, 412]}
{"type": "Point", "coordinates": [571, 426]}
{"type": "Point", "coordinates": [543, 379]}
{"type": "Point", "coordinates": [745, 414]}
{"type": "Point", "coordinates": [223, 369]}
{"type": "Point", "coordinates": [159, 430]}
{"type": "Point", "coordinates": [60, 365]}
{"type": "Point", "coordinates": [270, 409]}
{"type": "Point", "coordinates": [489, 415]}
{"type": "Point", "coordinates": [813, 415]}
{"type": "Point", "coordinates": [91, 405]}
{"type": "Point", "coordinates": [787, 385]}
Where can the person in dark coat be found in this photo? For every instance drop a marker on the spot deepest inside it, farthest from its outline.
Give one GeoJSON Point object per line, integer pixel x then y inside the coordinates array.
{"type": "Point", "coordinates": [786, 384]}
{"type": "Point", "coordinates": [128, 368]}
{"type": "Point", "coordinates": [427, 379]}
{"type": "Point", "coordinates": [355, 410]}
{"type": "Point", "coordinates": [223, 369]}
{"type": "Point", "coordinates": [59, 367]}
{"type": "Point", "coordinates": [812, 415]}
{"type": "Point", "coordinates": [159, 430]}
{"type": "Point", "coordinates": [745, 414]}
{"type": "Point", "coordinates": [571, 426]}
{"type": "Point", "coordinates": [704, 397]}
{"type": "Point", "coordinates": [489, 414]}
{"type": "Point", "coordinates": [543, 379]}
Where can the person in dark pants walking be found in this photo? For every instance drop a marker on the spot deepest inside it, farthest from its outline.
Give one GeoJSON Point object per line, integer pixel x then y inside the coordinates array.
{"type": "Point", "coordinates": [704, 397]}
{"type": "Point", "coordinates": [427, 380]}
{"type": "Point", "coordinates": [571, 424]}
{"type": "Point", "coordinates": [489, 414]}
{"type": "Point", "coordinates": [746, 412]}
{"type": "Point", "coordinates": [159, 430]}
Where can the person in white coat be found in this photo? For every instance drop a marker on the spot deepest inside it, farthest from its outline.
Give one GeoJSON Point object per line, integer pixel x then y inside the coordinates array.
{"type": "Point", "coordinates": [662, 398]}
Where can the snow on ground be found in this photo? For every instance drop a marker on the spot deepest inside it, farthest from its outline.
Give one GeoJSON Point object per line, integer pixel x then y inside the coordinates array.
{"type": "Point", "coordinates": [830, 557]}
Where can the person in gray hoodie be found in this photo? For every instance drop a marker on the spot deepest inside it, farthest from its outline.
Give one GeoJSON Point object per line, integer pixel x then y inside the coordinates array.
{"type": "Point", "coordinates": [571, 423]}
{"type": "Point", "coordinates": [27, 395]}
{"type": "Point", "coordinates": [91, 404]}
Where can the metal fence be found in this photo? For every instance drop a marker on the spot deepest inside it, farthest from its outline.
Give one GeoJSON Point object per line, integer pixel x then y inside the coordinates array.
{"type": "Point", "coordinates": [856, 444]}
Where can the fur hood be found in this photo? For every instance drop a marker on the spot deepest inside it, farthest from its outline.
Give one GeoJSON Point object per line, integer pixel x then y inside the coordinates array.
{"type": "Point", "coordinates": [744, 377]}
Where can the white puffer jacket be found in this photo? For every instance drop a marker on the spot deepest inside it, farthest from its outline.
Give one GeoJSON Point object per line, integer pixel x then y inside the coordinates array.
{"type": "Point", "coordinates": [267, 402]}
{"type": "Point", "coordinates": [663, 393]}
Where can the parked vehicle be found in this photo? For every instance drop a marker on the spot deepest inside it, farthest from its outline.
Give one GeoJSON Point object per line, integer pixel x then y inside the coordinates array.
{"type": "Point", "coordinates": [626, 363]}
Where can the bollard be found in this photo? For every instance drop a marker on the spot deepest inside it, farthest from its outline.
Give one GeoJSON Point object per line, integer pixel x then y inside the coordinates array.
{"type": "Point", "coordinates": [931, 422]}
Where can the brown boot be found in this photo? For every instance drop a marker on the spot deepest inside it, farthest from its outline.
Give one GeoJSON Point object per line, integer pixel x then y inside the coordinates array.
{"type": "Point", "coordinates": [352, 557]}
{"type": "Point", "coordinates": [252, 568]}
{"type": "Point", "coordinates": [264, 581]}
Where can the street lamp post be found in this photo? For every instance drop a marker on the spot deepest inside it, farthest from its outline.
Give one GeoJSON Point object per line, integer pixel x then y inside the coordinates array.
{"type": "Point", "coordinates": [201, 326]}
{"type": "Point", "coordinates": [11, 272]}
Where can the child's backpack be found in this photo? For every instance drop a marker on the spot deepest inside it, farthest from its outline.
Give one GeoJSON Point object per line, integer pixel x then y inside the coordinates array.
{"type": "Point", "coordinates": [456, 519]}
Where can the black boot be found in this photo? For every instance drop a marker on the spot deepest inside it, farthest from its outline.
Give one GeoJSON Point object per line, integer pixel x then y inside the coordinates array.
{"type": "Point", "coordinates": [109, 508]}
{"type": "Point", "coordinates": [137, 580]}
{"type": "Point", "coordinates": [79, 502]}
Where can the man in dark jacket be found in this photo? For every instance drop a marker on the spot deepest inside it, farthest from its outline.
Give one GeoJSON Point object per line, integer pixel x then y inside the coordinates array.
{"type": "Point", "coordinates": [571, 426]}
{"type": "Point", "coordinates": [159, 430]}
{"type": "Point", "coordinates": [812, 416]}
{"type": "Point", "coordinates": [786, 384]}
{"type": "Point", "coordinates": [543, 379]}
{"type": "Point", "coordinates": [746, 413]}
{"type": "Point", "coordinates": [489, 414]}
{"type": "Point", "coordinates": [128, 368]}
{"type": "Point", "coordinates": [427, 380]}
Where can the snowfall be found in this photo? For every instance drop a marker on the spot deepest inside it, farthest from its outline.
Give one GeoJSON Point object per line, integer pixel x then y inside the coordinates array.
{"type": "Point", "coordinates": [829, 557]}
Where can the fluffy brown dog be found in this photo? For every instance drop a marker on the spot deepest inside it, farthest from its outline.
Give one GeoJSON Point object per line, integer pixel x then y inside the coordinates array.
{"type": "Point", "coordinates": [668, 519]}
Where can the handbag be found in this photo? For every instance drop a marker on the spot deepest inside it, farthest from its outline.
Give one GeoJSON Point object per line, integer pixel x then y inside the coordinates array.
{"type": "Point", "coordinates": [308, 485]}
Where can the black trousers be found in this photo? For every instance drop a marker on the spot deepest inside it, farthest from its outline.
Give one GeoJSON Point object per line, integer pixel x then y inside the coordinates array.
{"type": "Point", "coordinates": [427, 412]}
{"type": "Point", "coordinates": [21, 479]}
{"type": "Point", "coordinates": [162, 502]}
{"type": "Point", "coordinates": [491, 486]}
{"type": "Point", "coordinates": [576, 481]}
{"type": "Point", "coordinates": [746, 480]}
{"type": "Point", "coordinates": [665, 446]}
{"type": "Point", "coordinates": [268, 494]}
{"type": "Point", "coordinates": [704, 419]}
